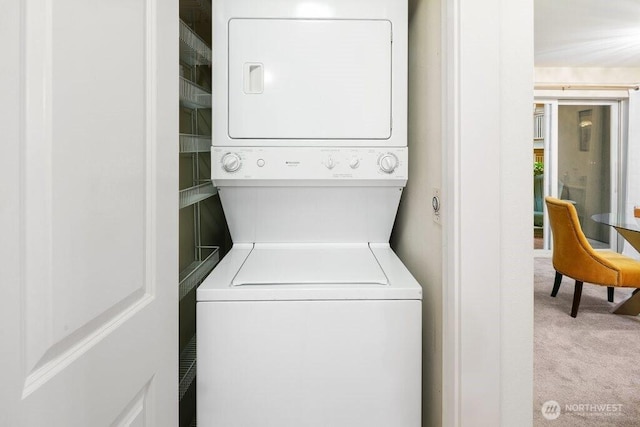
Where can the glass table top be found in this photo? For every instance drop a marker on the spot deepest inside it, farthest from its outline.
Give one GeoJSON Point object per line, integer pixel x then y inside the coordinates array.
{"type": "Point", "coordinates": [619, 221]}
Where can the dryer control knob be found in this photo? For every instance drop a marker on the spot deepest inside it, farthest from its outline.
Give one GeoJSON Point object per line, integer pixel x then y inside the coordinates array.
{"type": "Point", "coordinates": [388, 163]}
{"type": "Point", "coordinates": [354, 163]}
{"type": "Point", "coordinates": [231, 162]}
{"type": "Point", "coordinates": [330, 163]}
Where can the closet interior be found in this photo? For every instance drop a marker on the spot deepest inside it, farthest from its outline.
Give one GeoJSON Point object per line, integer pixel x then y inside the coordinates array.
{"type": "Point", "coordinates": [203, 234]}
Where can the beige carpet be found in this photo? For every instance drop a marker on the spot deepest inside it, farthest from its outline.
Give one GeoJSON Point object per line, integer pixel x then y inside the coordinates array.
{"type": "Point", "coordinates": [586, 363]}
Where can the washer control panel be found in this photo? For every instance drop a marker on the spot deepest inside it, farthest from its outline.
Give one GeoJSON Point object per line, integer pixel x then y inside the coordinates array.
{"type": "Point", "coordinates": [309, 163]}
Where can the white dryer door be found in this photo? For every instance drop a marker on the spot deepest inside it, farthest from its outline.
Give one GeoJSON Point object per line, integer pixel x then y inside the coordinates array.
{"type": "Point", "coordinates": [309, 79]}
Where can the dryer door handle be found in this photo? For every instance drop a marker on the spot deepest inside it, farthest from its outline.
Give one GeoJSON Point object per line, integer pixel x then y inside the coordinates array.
{"type": "Point", "coordinates": [253, 78]}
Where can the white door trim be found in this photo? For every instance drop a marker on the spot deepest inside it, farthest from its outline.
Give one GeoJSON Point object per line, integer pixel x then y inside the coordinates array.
{"type": "Point", "coordinates": [488, 270]}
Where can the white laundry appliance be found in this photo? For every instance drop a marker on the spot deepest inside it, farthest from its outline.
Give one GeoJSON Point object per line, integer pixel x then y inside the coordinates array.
{"type": "Point", "coordinates": [310, 319]}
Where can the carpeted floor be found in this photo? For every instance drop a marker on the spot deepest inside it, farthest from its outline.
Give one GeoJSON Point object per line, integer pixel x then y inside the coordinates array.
{"type": "Point", "coordinates": [585, 363]}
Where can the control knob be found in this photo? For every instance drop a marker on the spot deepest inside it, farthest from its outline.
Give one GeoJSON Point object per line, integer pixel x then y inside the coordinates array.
{"type": "Point", "coordinates": [330, 163]}
{"type": "Point", "coordinates": [388, 163]}
{"type": "Point", "coordinates": [231, 162]}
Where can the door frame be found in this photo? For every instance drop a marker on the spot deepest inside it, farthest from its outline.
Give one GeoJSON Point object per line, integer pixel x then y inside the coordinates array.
{"type": "Point", "coordinates": [551, 141]}
{"type": "Point", "coordinates": [487, 335]}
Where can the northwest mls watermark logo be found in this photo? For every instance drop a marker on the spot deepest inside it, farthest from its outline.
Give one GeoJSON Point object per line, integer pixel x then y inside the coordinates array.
{"type": "Point", "coordinates": [595, 409]}
{"type": "Point", "coordinates": [551, 409]}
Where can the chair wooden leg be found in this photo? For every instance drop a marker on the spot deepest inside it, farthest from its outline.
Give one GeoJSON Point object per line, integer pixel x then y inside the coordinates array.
{"type": "Point", "coordinates": [610, 293]}
{"type": "Point", "coordinates": [556, 284]}
{"type": "Point", "coordinates": [577, 293]}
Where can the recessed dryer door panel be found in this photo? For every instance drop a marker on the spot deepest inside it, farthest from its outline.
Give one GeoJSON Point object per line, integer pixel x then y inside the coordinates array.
{"type": "Point", "coordinates": [309, 79]}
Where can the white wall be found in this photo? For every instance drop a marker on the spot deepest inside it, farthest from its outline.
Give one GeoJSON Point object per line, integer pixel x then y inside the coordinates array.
{"type": "Point", "coordinates": [546, 78]}
{"type": "Point", "coordinates": [586, 75]}
{"type": "Point", "coordinates": [416, 238]}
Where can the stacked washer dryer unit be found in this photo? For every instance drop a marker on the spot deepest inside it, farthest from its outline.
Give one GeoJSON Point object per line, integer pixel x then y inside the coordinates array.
{"type": "Point", "coordinates": [310, 319]}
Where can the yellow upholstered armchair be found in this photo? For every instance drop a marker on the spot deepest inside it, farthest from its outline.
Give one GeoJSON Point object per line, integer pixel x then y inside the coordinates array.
{"type": "Point", "coordinates": [574, 257]}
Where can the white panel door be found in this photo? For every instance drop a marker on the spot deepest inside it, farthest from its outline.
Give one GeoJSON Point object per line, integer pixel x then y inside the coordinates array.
{"type": "Point", "coordinates": [309, 79]}
{"type": "Point", "coordinates": [88, 217]}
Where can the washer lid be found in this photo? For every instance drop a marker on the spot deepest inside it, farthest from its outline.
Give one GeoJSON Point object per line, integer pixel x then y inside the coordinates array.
{"type": "Point", "coordinates": [308, 264]}
{"type": "Point", "coordinates": [218, 286]}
